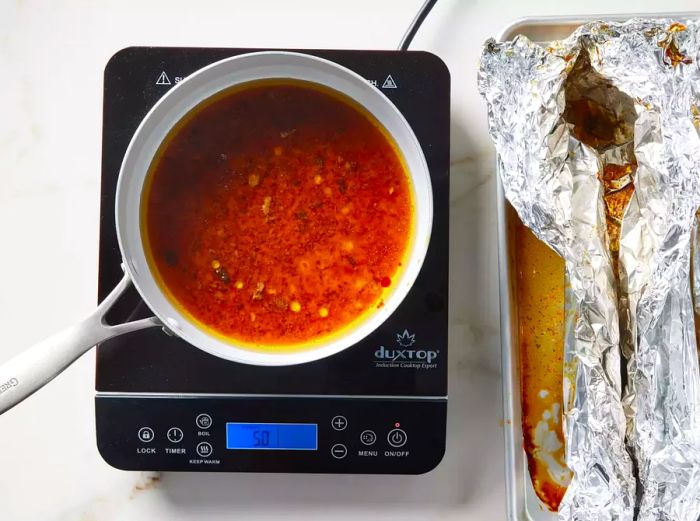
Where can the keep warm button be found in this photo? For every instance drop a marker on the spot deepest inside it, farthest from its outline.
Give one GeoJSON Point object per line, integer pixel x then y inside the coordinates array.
{"type": "Point", "coordinates": [397, 438]}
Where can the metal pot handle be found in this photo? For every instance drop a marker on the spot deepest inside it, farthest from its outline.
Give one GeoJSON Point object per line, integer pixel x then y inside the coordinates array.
{"type": "Point", "coordinates": [38, 365]}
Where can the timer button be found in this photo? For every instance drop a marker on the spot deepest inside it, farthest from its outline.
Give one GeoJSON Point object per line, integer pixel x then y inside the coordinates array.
{"type": "Point", "coordinates": [339, 451]}
{"type": "Point", "coordinates": [175, 435]}
{"type": "Point", "coordinates": [146, 434]}
{"type": "Point", "coordinates": [204, 449]}
{"type": "Point", "coordinates": [204, 421]}
{"type": "Point", "coordinates": [339, 423]}
{"type": "Point", "coordinates": [397, 438]}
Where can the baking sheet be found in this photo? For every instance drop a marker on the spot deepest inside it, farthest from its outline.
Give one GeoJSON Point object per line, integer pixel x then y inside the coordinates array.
{"type": "Point", "coordinates": [522, 501]}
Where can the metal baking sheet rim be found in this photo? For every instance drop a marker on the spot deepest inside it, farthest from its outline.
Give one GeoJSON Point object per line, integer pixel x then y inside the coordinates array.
{"type": "Point", "coordinates": [522, 503]}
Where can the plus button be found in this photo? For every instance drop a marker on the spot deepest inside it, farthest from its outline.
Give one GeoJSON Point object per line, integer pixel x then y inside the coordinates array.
{"type": "Point", "coordinates": [339, 423]}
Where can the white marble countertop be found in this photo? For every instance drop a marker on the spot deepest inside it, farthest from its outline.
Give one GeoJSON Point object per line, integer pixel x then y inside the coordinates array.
{"type": "Point", "coordinates": [52, 55]}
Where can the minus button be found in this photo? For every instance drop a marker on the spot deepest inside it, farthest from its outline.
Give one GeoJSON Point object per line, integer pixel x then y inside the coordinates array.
{"type": "Point", "coordinates": [339, 451]}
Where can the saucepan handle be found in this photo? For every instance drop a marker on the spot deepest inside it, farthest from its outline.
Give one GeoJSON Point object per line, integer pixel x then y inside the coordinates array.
{"type": "Point", "coordinates": [38, 365]}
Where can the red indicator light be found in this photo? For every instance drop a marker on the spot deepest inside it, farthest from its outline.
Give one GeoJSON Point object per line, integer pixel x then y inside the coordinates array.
{"type": "Point", "coordinates": [397, 425]}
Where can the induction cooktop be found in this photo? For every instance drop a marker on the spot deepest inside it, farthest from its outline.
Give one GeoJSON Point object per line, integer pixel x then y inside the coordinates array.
{"type": "Point", "coordinates": [378, 407]}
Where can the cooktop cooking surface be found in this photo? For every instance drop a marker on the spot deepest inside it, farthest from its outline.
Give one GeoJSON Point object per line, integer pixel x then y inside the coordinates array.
{"type": "Point", "coordinates": [377, 407]}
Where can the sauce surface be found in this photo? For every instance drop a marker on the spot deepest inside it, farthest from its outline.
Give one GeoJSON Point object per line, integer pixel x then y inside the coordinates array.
{"type": "Point", "coordinates": [277, 214]}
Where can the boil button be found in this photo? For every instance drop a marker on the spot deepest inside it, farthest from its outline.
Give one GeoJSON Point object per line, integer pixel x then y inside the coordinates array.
{"type": "Point", "coordinates": [203, 421]}
{"type": "Point", "coordinates": [397, 438]}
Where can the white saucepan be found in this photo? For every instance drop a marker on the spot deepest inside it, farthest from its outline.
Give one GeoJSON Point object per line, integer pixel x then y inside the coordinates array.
{"type": "Point", "coordinates": [36, 366]}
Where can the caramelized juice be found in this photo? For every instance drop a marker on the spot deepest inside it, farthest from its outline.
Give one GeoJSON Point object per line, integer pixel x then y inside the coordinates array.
{"type": "Point", "coordinates": [541, 283]}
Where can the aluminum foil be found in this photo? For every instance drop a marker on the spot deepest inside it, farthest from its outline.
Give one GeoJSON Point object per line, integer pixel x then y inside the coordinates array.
{"type": "Point", "coordinates": [663, 394]}
{"type": "Point", "coordinates": [545, 106]}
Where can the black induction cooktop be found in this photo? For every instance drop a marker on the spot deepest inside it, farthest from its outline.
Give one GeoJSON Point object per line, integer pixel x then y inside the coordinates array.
{"type": "Point", "coordinates": [377, 407]}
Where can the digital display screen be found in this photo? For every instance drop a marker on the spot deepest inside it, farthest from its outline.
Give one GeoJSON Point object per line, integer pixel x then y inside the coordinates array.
{"type": "Point", "coordinates": [272, 436]}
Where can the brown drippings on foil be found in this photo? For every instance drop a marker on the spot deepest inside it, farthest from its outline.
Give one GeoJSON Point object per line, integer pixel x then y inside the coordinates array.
{"type": "Point", "coordinates": [603, 118]}
{"type": "Point", "coordinates": [616, 202]}
{"type": "Point", "coordinates": [592, 122]}
{"type": "Point", "coordinates": [669, 44]}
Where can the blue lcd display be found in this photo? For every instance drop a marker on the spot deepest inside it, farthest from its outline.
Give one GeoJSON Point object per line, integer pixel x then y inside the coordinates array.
{"type": "Point", "coordinates": [272, 436]}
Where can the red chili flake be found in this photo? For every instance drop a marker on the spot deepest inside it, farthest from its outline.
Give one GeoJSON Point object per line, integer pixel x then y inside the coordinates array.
{"type": "Point", "coordinates": [385, 282]}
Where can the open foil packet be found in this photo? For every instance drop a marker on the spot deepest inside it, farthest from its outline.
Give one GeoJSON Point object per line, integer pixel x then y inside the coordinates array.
{"type": "Point", "coordinates": [599, 150]}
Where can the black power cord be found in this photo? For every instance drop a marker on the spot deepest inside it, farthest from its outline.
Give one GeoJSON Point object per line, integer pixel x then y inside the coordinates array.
{"type": "Point", "coordinates": [415, 24]}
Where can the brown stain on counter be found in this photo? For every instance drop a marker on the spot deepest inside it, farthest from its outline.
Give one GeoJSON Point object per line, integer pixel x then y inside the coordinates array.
{"type": "Point", "coordinates": [109, 506]}
{"type": "Point", "coordinates": [147, 481]}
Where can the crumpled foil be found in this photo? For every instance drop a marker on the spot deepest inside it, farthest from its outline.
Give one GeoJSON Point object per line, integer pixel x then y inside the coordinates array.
{"type": "Point", "coordinates": [629, 279]}
{"type": "Point", "coordinates": [663, 394]}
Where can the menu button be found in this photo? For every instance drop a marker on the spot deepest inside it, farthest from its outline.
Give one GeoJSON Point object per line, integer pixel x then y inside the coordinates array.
{"type": "Point", "coordinates": [368, 437]}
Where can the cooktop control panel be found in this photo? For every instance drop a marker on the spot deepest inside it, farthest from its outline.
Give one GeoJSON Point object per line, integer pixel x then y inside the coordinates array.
{"type": "Point", "coordinates": [377, 436]}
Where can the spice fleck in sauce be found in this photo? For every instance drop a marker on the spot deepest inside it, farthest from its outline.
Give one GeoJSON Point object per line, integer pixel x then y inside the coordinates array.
{"type": "Point", "coordinates": [277, 214]}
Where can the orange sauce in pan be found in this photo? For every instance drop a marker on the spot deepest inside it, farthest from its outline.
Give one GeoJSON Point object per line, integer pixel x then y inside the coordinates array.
{"type": "Point", "coordinates": [541, 284]}
{"type": "Point", "coordinates": [277, 214]}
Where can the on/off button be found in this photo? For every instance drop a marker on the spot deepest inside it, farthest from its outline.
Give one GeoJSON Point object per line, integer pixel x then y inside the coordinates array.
{"type": "Point", "coordinates": [397, 438]}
